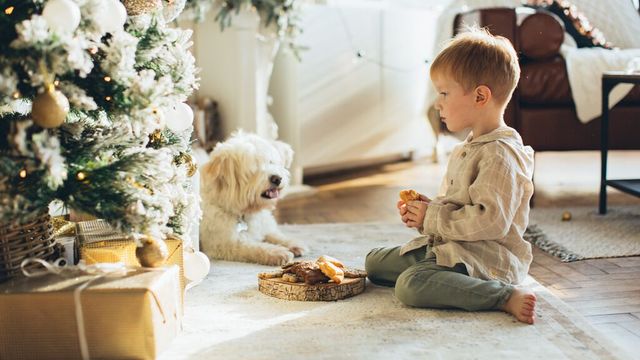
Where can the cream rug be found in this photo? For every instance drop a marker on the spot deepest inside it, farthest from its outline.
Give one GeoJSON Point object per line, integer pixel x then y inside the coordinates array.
{"type": "Point", "coordinates": [227, 318]}
{"type": "Point", "coordinates": [587, 235]}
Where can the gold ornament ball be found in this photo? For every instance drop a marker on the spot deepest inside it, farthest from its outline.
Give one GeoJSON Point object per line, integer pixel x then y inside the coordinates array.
{"type": "Point", "coordinates": [566, 216]}
{"type": "Point", "coordinates": [153, 252]}
{"type": "Point", "coordinates": [139, 7]}
{"type": "Point", "coordinates": [50, 108]}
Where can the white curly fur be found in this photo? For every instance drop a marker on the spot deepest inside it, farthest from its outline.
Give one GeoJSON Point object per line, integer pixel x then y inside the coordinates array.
{"type": "Point", "coordinates": [234, 183]}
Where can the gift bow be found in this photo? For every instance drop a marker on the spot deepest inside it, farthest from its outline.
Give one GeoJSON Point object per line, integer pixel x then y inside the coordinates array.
{"type": "Point", "coordinates": [99, 270]}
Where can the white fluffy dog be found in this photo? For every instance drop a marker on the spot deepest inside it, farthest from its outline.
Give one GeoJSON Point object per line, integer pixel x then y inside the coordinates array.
{"type": "Point", "coordinates": [240, 186]}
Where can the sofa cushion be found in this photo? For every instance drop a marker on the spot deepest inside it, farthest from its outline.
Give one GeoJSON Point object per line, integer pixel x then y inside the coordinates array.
{"type": "Point", "coordinates": [544, 83]}
{"type": "Point", "coordinates": [540, 36]}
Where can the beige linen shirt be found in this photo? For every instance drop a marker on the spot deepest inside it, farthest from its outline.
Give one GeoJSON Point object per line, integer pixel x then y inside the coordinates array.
{"type": "Point", "coordinates": [484, 210]}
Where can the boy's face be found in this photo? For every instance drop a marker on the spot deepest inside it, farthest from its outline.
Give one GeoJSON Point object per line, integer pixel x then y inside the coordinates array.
{"type": "Point", "coordinates": [456, 105]}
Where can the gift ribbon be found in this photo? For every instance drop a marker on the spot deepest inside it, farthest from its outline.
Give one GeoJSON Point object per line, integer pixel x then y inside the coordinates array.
{"type": "Point", "coordinates": [100, 270]}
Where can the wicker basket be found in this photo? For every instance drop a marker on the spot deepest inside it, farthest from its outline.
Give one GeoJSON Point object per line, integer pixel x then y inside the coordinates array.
{"type": "Point", "coordinates": [18, 242]}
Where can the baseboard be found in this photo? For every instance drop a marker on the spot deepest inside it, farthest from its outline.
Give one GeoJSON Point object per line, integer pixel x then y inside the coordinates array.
{"type": "Point", "coordinates": [356, 164]}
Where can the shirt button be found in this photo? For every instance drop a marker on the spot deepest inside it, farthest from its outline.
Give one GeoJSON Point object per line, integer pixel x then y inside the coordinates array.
{"type": "Point", "coordinates": [464, 153]}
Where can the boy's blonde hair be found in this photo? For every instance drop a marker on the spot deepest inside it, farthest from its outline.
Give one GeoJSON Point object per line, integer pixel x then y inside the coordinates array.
{"type": "Point", "coordinates": [475, 57]}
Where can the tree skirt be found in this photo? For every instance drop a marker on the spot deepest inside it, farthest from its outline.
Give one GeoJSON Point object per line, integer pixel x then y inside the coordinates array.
{"type": "Point", "coordinates": [226, 317]}
{"type": "Point", "coordinates": [587, 235]}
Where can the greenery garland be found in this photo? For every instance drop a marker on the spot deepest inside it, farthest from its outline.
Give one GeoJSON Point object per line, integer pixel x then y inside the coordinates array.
{"type": "Point", "coordinates": [283, 15]}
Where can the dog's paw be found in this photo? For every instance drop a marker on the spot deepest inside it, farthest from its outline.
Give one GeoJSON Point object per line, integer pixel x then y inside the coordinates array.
{"type": "Point", "coordinates": [279, 257]}
{"type": "Point", "coordinates": [297, 250]}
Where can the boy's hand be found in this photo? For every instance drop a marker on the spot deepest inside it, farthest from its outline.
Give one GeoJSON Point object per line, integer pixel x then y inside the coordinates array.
{"type": "Point", "coordinates": [414, 212]}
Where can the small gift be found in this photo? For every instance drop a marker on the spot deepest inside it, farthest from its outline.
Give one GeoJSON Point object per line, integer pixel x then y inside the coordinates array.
{"type": "Point", "coordinates": [102, 311]}
{"type": "Point", "coordinates": [100, 243]}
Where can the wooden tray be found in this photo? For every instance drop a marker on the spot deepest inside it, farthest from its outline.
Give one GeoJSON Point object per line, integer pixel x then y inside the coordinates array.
{"type": "Point", "coordinates": [281, 289]}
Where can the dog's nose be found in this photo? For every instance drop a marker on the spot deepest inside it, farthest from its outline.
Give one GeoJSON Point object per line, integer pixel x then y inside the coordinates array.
{"type": "Point", "coordinates": [275, 180]}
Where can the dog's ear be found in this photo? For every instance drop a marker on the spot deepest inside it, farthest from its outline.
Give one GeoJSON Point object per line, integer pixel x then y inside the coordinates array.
{"type": "Point", "coordinates": [285, 151]}
{"type": "Point", "coordinates": [219, 168]}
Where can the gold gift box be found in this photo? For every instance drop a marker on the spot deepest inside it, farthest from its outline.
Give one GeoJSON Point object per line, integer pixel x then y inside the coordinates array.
{"type": "Point", "coordinates": [99, 243]}
{"type": "Point", "coordinates": [130, 317]}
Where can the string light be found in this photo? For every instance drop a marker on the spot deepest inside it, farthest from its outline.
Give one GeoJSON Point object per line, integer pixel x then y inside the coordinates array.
{"type": "Point", "coordinates": [56, 83]}
{"type": "Point", "coordinates": [107, 79]}
{"type": "Point", "coordinates": [93, 50]}
{"type": "Point", "coordinates": [80, 176]}
{"type": "Point", "coordinates": [16, 94]}
{"type": "Point", "coordinates": [9, 10]}
{"type": "Point", "coordinates": [361, 55]}
{"type": "Point", "coordinates": [23, 173]}
{"type": "Point", "coordinates": [108, 98]}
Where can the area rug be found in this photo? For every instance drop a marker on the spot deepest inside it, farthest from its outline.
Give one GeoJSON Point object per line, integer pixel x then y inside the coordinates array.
{"type": "Point", "coordinates": [587, 235]}
{"type": "Point", "coordinates": [226, 317]}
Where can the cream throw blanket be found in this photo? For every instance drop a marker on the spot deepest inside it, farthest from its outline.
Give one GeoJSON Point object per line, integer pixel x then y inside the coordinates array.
{"type": "Point", "coordinates": [585, 67]}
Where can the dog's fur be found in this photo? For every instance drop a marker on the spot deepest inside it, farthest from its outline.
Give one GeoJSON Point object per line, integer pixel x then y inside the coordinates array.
{"type": "Point", "coordinates": [240, 186]}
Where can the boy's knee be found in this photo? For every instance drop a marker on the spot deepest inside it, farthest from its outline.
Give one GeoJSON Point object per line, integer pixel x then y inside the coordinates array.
{"type": "Point", "coordinates": [406, 290]}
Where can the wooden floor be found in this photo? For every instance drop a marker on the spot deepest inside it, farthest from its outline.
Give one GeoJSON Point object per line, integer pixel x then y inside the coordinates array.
{"type": "Point", "coordinates": [605, 291]}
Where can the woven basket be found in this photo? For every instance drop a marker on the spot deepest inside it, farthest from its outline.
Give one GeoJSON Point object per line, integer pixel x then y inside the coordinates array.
{"type": "Point", "coordinates": [18, 242]}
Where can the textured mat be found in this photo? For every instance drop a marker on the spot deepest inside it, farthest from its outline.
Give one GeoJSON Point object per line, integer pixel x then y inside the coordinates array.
{"type": "Point", "coordinates": [587, 235]}
{"type": "Point", "coordinates": [226, 317]}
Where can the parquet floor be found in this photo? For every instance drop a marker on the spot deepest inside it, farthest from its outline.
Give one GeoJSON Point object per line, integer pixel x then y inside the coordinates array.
{"type": "Point", "coordinates": [605, 291]}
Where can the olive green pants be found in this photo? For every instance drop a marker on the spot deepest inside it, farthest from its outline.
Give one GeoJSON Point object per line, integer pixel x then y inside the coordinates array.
{"type": "Point", "coordinates": [420, 282]}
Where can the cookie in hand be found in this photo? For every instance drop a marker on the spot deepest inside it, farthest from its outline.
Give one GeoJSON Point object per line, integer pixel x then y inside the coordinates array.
{"type": "Point", "coordinates": [409, 195]}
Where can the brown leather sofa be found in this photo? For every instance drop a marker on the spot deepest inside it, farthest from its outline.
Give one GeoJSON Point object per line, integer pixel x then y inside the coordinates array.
{"type": "Point", "coordinates": [542, 109]}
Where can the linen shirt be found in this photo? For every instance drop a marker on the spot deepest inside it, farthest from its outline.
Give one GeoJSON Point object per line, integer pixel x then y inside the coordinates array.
{"type": "Point", "coordinates": [483, 210]}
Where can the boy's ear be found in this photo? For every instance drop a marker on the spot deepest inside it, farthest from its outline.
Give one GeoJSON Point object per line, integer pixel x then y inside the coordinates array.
{"type": "Point", "coordinates": [483, 94]}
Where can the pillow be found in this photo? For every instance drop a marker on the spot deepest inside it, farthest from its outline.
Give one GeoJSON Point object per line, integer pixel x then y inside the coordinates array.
{"type": "Point", "coordinates": [617, 19]}
{"type": "Point", "coordinates": [577, 25]}
{"type": "Point", "coordinates": [540, 36]}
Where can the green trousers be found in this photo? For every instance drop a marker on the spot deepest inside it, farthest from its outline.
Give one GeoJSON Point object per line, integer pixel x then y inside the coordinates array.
{"type": "Point", "coordinates": [420, 282]}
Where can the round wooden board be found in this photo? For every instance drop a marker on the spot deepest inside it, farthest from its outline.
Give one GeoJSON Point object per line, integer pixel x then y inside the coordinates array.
{"type": "Point", "coordinates": [281, 289]}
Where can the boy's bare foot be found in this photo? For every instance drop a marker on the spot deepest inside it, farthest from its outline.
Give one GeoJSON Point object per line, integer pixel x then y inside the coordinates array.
{"type": "Point", "coordinates": [522, 305]}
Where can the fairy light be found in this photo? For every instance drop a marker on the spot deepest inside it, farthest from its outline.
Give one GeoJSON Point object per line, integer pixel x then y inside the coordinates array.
{"type": "Point", "coordinates": [108, 98]}
{"type": "Point", "coordinates": [23, 173]}
{"type": "Point", "coordinates": [93, 50]}
{"type": "Point", "coordinates": [80, 176]}
{"type": "Point", "coordinates": [56, 83]}
{"type": "Point", "coordinates": [107, 79]}
{"type": "Point", "coordinates": [9, 10]}
{"type": "Point", "coordinates": [15, 95]}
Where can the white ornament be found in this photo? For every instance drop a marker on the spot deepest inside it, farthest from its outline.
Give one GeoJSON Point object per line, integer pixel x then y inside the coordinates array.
{"type": "Point", "coordinates": [62, 16]}
{"type": "Point", "coordinates": [179, 117]}
{"type": "Point", "coordinates": [196, 265]}
{"type": "Point", "coordinates": [111, 16]}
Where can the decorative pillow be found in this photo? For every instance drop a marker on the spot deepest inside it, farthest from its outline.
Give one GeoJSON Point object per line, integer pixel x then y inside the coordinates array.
{"type": "Point", "coordinates": [577, 25]}
{"type": "Point", "coordinates": [617, 19]}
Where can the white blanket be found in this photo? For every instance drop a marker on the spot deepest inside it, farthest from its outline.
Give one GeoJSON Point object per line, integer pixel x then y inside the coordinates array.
{"type": "Point", "coordinates": [585, 67]}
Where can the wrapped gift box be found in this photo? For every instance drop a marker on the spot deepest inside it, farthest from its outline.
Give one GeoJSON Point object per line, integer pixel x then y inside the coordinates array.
{"type": "Point", "coordinates": [132, 316]}
{"type": "Point", "coordinates": [100, 243]}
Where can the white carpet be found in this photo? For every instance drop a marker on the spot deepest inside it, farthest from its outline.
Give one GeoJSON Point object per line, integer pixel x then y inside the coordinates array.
{"type": "Point", "coordinates": [588, 234]}
{"type": "Point", "coordinates": [227, 318]}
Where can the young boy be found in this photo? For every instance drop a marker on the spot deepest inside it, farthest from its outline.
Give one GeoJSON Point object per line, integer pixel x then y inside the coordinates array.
{"type": "Point", "coordinates": [472, 252]}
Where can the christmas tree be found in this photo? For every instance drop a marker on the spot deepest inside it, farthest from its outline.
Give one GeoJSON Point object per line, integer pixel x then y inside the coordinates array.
{"type": "Point", "coordinates": [92, 113]}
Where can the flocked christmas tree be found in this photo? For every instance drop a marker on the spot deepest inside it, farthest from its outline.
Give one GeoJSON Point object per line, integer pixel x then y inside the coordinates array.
{"type": "Point", "coordinates": [92, 113]}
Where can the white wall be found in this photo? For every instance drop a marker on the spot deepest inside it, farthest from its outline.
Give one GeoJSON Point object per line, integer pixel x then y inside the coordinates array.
{"type": "Point", "coordinates": [351, 110]}
{"type": "Point", "coordinates": [345, 110]}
